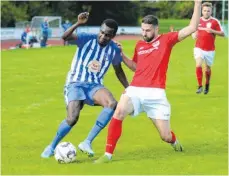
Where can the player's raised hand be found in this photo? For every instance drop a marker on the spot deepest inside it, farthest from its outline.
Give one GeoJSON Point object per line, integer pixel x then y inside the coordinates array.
{"type": "Point", "coordinates": [83, 17]}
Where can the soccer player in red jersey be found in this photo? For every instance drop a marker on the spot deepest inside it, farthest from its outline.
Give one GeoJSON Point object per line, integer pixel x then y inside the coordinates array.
{"type": "Point", "coordinates": [146, 92]}
{"type": "Point", "coordinates": [204, 50]}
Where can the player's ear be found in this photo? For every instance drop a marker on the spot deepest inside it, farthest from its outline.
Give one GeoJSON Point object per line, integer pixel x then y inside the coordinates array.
{"type": "Point", "coordinates": [113, 36]}
{"type": "Point", "coordinates": [156, 29]}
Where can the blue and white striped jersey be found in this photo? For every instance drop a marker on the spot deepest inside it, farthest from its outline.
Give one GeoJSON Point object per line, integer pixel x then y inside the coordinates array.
{"type": "Point", "coordinates": [91, 61]}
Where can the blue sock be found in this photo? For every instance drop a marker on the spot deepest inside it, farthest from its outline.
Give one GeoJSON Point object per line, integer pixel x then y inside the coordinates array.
{"type": "Point", "coordinates": [102, 120]}
{"type": "Point", "coordinates": [63, 129]}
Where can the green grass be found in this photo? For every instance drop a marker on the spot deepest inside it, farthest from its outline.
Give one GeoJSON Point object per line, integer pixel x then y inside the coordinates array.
{"type": "Point", "coordinates": [33, 107]}
{"type": "Point", "coordinates": [176, 23]}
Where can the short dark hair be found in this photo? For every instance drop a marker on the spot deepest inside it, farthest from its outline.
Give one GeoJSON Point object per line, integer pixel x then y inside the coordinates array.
{"type": "Point", "coordinates": [111, 24]}
{"type": "Point", "coordinates": [150, 19]}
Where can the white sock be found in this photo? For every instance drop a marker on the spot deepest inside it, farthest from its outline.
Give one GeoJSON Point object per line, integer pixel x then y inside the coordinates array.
{"type": "Point", "coordinates": [109, 155]}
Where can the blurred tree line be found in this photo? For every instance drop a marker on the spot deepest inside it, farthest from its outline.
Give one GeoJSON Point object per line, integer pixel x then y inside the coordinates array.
{"type": "Point", "coordinates": [125, 12]}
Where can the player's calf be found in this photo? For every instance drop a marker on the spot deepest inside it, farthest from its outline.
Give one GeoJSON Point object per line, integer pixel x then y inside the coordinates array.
{"type": "Point", "coordinates": [206, 90]}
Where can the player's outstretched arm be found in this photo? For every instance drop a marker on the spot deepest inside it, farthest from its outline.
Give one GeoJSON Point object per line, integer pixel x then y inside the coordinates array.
{"type": "Point", "coordinates": [185, 32]}
{"type": "Point", "coordinates": [219, 33]}
{"type": "Point", "coordinates": [129, 63]}
{"type": "Point", "coordinates": [121, 75]}
{"type": "Point", "coordinates": [82, 19]}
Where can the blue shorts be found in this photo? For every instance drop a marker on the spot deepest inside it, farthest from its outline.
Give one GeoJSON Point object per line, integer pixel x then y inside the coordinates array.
{"type": "Point", "coordinates": [81, 91]}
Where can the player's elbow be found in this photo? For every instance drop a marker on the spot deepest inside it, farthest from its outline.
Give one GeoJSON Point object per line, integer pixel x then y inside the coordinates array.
{"type": "Point", "coordinates": [222, 34]}
{"type": "Point", "coordinates": [193, 28]}
{"type": "Point", "coordinates": [133, 69]}
{"type": "Point", "coordinates": [64, 37]}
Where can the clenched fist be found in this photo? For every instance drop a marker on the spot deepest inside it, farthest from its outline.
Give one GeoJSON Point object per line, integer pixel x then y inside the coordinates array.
{"type": "Point", "coordinates": [83, 17]}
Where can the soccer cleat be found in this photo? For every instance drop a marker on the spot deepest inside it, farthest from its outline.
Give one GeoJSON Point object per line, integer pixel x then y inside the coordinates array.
{"type": "Point", "coordinates": [199, 90]}
{"type": "Point", "coordinates": [86, 148]}
{"type": "Point", "coordinates": [102, 159]}
{"type": "Point", "coordinates": [206, 90]}
{"type": "Point", "coordinates": [177, 146]}
{"type": "Point", "coordinates": [48, 152]}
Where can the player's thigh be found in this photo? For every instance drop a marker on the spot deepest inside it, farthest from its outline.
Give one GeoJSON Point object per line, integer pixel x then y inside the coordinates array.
{"type": "Point", "coordinates": [206, 66]}
{"type": "Point", "coordinates": [157, 108]}
{"type": "Point", "coordinates": [159, 112]}
{"type": "Point", "coordinates": [209, 59]}
{"type": "Point", "coordinates": [73, 92]}
{"type": "Point", "coordinates": [199, 61]}
{"type": "Point", "coordinates": [198, 56]}
{"type": "Point", "coordinates": [124, 107]}
{"type": "Point", "coordinates": [104, 97]}
{"type": "Point", "coordinates": [73, 108]}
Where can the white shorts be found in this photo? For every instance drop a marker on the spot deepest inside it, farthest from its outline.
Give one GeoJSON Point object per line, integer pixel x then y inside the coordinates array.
{"type": "Point", "coordinates": [153, 101]}
{"type": "Point", "coordinates": [207, 56]}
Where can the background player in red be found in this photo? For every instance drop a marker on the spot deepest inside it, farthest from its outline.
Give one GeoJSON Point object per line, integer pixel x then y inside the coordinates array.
{"type": "Point", "coordinates": [204, 50]}
{"type": "Point", "coordinates": [147, 90]}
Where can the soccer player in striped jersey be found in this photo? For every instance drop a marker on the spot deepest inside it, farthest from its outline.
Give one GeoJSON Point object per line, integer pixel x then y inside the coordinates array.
{"type": "Point", "coordinates": [84, 83]}
{"type": "Point", "coordinates": [204, 51]}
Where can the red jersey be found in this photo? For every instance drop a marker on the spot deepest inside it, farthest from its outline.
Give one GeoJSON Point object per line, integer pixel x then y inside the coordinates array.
{"type": "Point", "coordinates": [205, 40]}
{"type": "Point", "coordinates": [152, 61]}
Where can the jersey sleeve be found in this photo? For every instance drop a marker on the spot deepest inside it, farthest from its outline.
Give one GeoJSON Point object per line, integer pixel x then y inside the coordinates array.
{"type": "Point", "coordinates": [83, 38]}
{"type": "Point", "coordinates": [117, 58]}
{"type": "Point", "coordinates": [217, 26]}
{"type": "Point", "coordinates": [135, 57]}
{"type": "Point", "coordinates": [172, 38]}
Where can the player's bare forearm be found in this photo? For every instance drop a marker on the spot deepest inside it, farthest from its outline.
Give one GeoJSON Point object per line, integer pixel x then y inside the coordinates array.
{"type": "Point", "coordinates": [121, 75]}
{"type": "Point", "coordinates": [82, 18]}
{"type": "Point", "coordinates": [68, 34]}
{"type": "Point", "coordinates": [185, 32]}
{"type": "Point", "coordinates": [219, 33]}
{"type": "Point", "coordinates": [129, 63]}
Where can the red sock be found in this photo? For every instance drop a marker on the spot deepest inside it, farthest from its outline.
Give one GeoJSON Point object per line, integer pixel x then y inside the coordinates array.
{"type": "Point", "coordinates": [173, 137]}
{"type": "Point", "coordinates": [114, 133]}
{"type": "Point", "coordinates": [208, 76]}
{"type": "Point", "coordinates": [199, 75]}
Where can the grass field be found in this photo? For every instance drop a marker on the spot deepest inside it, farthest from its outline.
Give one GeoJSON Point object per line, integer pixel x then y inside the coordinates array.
{"type": "Point", "coordinates": [33, 107]}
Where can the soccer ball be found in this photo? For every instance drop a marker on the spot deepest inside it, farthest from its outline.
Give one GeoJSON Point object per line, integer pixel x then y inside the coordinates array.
{"type": "Point", "coordinates": [65, 152]}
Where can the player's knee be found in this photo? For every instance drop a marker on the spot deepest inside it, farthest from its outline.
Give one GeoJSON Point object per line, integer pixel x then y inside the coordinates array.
{"type": "Point", "coordinates": [119, 113]}
{"type": "Point", "coordinates": [111, 104]}
{"type": "Point", "coordinates": [72, 120]}
{"type": "Point", "coordinates": [208, 69]}
{"type": "Point", "coordinates": [198, 62]}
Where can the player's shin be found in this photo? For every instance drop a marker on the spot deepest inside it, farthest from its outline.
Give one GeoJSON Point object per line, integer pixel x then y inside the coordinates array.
{"type": "Point", "coordinates": [208, 76]}
{"type": "Point", "coordinates": [114, 133]}
{"type": "Point", "coordinates": [62, 131]}
{"type": "Point", "coordinates": [102, 120]}
{"type": "Point", "coordinates": [199, 75]}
